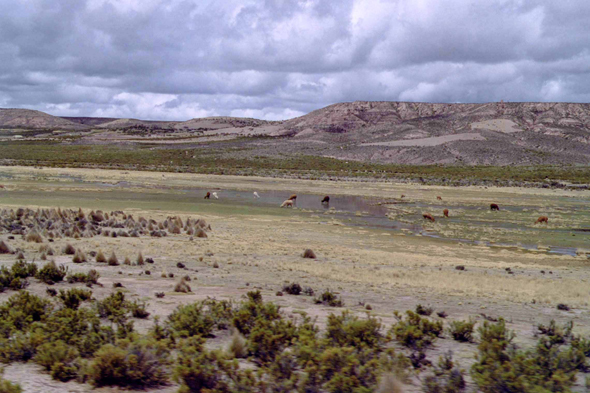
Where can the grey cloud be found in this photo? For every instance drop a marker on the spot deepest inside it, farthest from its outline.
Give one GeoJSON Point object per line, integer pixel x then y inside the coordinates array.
{"type": "Point", "coordinates": [271, 58]}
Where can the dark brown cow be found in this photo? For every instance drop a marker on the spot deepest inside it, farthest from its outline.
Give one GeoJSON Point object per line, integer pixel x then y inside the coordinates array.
{"type": "Point", "coordinates": [446, 213]}
{"type": "Point", "coordinates": [208, 196]}
{"type": "Point", "coordinates": [326, 199]}
{"type": "Point", "coordinates": [542, 219]}
{"type": "Point", "coordinates": [493, 207]}
{"type": "Point", "coordinates": [428, 216]}
{"type": "Point", "coordinates": [439, 198]}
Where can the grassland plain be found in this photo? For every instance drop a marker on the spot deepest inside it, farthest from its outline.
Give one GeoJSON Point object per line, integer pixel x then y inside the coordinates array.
{"type": "Point", "coordinates": [222, 157]}
{"type": "Point", "coordinates": [260, 247]}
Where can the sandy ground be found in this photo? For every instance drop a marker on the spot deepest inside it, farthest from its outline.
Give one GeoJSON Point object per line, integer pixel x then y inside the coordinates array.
{"type": "Point", "coordinates": [389, 271]}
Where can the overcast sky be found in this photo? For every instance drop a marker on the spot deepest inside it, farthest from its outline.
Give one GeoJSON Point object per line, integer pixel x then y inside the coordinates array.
{"type": "Point", "coordinates": [277, 59]}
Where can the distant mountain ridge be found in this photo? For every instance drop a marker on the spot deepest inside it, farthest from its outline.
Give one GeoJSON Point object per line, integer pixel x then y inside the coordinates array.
{"type": "Point", "coordinates": [498, 133]}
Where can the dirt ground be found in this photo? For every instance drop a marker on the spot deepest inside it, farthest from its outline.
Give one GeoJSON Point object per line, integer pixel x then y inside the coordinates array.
{"type": "Point", "coordinates": [261, 248]}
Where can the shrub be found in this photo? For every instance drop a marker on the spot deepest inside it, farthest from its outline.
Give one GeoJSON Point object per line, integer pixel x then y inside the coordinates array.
{"type": "Point", "coordinates": [34, 237]}
{"type": "Point", "coordinates": [328, 298]}
{"type": "Point", "coordinates": [138, 309]}
{"type": "Point", "coordinates": [191, 320]}
{"type": "Point", "coordinates": [416, 332]}
{"type": "Point", "coordinates": [269, 338]}
{"type": "Point", "coordinates": [140, 365]}
{"type": "Point", "coordinates": [23, 269]}
{"type": "Point", "coordinates": [73, 297]}
{"type": "Point", "coordinates": [501, 367]}
{"type": "Point", "coordinates": [250, 311]}
{"type": "Point", "coordinates": [292, 289]}
{"type": "Point", "coordinates": [180, 265]}
{"type": "Point", "coordinates": [20, 310]}
{"type": "Point", "coordinates": [4, 249]}
{"type": "Point", "coordinates": [79, 257]}
{"type": "Point", "coordinates": [308, 253]}
{"type": "Point", "coordinates": [182, 286]}
{"type": "Point", "coordinates": [308, 291]}
{"type": "Point", "coordinates": [557, 334]}
{"type": "Point", "coordinates": [237, 347]}
{"type": "Point", "coordinates": [58, 358]}
{"type": "Point", "coordinates": [421, 310]}
{"type": "Point", "coordinates": [445, 377]}
{"type": "Point", "coordinates": [348, 330]}
{"type": "Point", "coordinates": [113, 306]}
{"type": "Point", "coordinates": [50, 273]}
{"type": "Point", "coordinates": [127, 261]}
{"type": "Point", "coordinates": [159, 295]}
{"type": "Point", "coordinates": [442, 314]}
{"type": "Point", "coordinates": [462, 330]}
{"type": "Point", "coordinates": [69, 249]}
{"type": "Point", "coordinates": [139, 260]}
{"type": "Point", "coordinates": [51, 292]}
{"type": "Point", "coordinates": [113, 261]}
{"type": "Point", "coordinates": [9, 387]}
{"type": "Point", "coordinates": [100, 257]}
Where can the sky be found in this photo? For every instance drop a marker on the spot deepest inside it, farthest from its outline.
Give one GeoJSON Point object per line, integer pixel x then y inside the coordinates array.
{"type": "Point", "coordinates": [278, 59]}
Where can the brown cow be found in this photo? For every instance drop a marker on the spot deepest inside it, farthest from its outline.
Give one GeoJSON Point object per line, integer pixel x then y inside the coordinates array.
{"type": "Point", "coordinates": [439, 198]}
{"type": "Point", "coordinates": [446, 213]}
{"type": "Point", "coordinates": [493, 207]}
{"type": "Point", "coordinates": [542, 219]}
{"type": "Point", "coordinates": [326, 199]}
{"type": "Point", "coordinates": [293, 197]}
{"type": "Point", "coordinates": [403, 196]}
{"type": "Point", "coordinates": [208, 196]}
{"type": "Point", "coordinates": [428, 216]}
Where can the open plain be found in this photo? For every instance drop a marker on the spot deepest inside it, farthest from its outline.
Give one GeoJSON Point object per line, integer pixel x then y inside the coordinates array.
{"type": "Point", "coordinates": [510, 266]}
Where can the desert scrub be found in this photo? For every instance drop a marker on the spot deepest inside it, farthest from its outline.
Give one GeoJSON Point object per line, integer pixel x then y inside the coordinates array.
{"type": "Point", "coordinates": [253, 309]}
{"type": "Point", "coordinates": [182, 286]}
{"type": "Point", "coordinates": [139, 365]}
{"type": "Point", "coordinates": [113, 307]}
{"type": "Point", "coordinates": [462, 330]}
{"type": "Point", "coordinates": [138, 309]}
{"type": "Point", "coordinates": [269, 338]}
{"type": "Point", "coordinates": [58, 359]}
{"type": "Point", "coordinates": [557, 334]}
{"type": "Point", "coordinates": [329, 298]}
{"type": "Point", "coordinates": [292, 289]}
{"type": "Point", "coordinates": [50, 273]}
{"type": "Point", "coordinates": [21, 310]}
{"type": "Point", "coordinates": [7, 386]}
{"type": "Point", "coordinates": [445, 377]}
{"type": "Point", "coordinates": [424, 310]}
{"type": "Point", "coordinates": [69, 249]}
{"type": "Point", "coordinates": [414, 331]}
{"type": "Point", "coordinates": [502, 367]}
{"type": "Point", "coordinates": [72, 298]}
{"type": "Point", "coordinates": [113, 261]}
{"type": "Point", "coordinates": [91, 277]}
{"type": "Point", "coordinates": [349, 330]}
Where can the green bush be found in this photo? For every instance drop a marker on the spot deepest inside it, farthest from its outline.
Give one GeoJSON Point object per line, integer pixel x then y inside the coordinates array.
{"type": "Point", "coordinates": [557, 334]}
{"type": "Point", "coordinates": [246, 316]}
{"type": "Point", "coordinates": [292, 289]}
{"type": "Point", "coordinates": [50, 273]}
{"type": "Point", "coordinates": [349, 330]}
{"type": "Point", "coordinates": [139, 365]}
{"type": "Point", "coordinates": [501, 367]}
{"type": "Point", "coordinates": [72, 298]}
{"type": "Point", "coordinates": [191, 320]}
{"type": "Point", "coordinates": [416, 332]}
{"type": "Point", "coordinates": [138, 309]}
{"type": "Point", "coordinates": [9, 387]}
{"type": "Point", "coordinates": [58, 358]}
{"type": "Point", "coordinates": [445, 377]}
{"type": "Point", "coordinates": [269, 338]}
{"type": "Point", "coordinates": [21, 310]}
{"type": "Point", "coordinates": [91, 277]}
{"type": "Point", "coordinates": [422, 310]}
{"type": "Point", "coordinates": [329, 298]}
{"type": "Point", "coordinates": [462, 330]}
{"type": "Point", "coordinates": [114, 306]}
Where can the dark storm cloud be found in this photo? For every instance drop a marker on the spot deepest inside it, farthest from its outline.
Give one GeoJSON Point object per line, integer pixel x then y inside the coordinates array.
{"type": "Point", "coordinates": [162, 59]}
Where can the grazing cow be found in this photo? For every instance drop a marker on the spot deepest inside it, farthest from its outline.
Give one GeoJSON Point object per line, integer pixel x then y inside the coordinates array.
{"type": "Point", "coordinates": [293, 197]}
{"type": "Point", "coordinates": [439, 198]}
{"type": "Point", "coordinates": [208, 196]}
{"type": "Point", "coordinates": [287, 203]}
{"type": "Point", "coordinates": [326, 199]}
{"type": "Point", "coordinates": [542, 219]}
{"type": "Point", "coordinates": [215, 195]}
{"type": "Point", "coordinates": [428, 216]}
{"type": "Point", "coordinates": [493, 207]}
{"type": "Point", "coordinates": [446, 213]}
{"type": "Point", "coordinates": [256, 195]}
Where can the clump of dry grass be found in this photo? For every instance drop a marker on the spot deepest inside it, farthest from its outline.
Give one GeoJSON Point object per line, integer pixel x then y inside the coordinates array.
{"type": "Point", "coordinates": [79, 257]}
{"type": "Point", "coordinates": [237, 348]}
{"type": "Point", "coordinates": [4, 249]}
{"type": "Point", "coordinates": [20, 255]}
{"type": "Point", "coordinates": [69, 249]}
{"type": "Point", "coordinates": [140, 261]}
{"type": "Point", "coordinates": [308, 253]}
{"type": "Point", "coordinates": [127, 261]}
{"type": "Point", "coordinates": [389, 384]}
{"type": "Point", "coordinates": [34, 237]}
{"type": "Point", "coordinates": [43, 257]}
{"type": "Point", "coordinates": [113, 261]}
{"type": "Point", "coordinates": [100, 257]}
{"type": "Point", "coordinates": [182, 286]}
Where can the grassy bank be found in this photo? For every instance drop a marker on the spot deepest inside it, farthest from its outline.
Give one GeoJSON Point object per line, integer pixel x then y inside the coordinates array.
{"type": "Point", "coordinates": [218, 161]}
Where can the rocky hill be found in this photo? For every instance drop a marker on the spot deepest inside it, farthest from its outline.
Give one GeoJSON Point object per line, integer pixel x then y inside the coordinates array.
{"type": "Point", "coordinates": [385, 132]}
